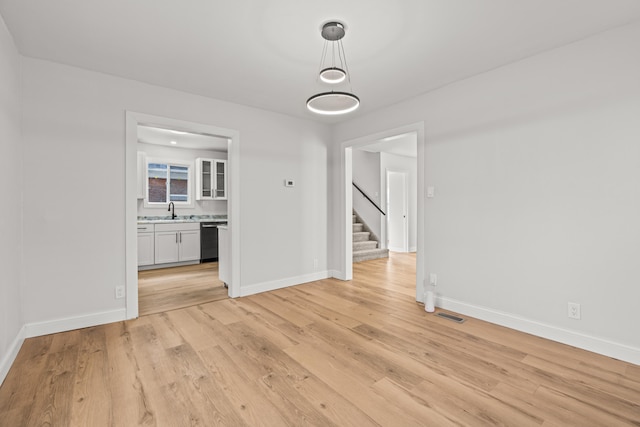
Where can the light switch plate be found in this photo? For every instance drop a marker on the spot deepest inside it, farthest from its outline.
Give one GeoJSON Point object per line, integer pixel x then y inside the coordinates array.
{"type": "Point", "coordinates": [431, 192]}
{"type": "Point", "coordinates": [289, 183]}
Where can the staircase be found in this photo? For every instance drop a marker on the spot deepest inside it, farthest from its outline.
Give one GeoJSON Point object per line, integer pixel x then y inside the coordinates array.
{"type": "Point", "coordinates": [364, 245]}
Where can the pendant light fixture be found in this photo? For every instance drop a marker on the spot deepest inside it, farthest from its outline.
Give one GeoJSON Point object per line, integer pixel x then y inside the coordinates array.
{"type": "Point", "coordinates": [333, 71]}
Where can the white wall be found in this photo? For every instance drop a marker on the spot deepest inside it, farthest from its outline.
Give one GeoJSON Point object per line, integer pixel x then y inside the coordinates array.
{"type": "Point", "coordinates": [537, 177]}
{"type": "Point", "coordinates": [200, 207]}
{"type": "Point", "coordinates": [11, 197]}
{"type": "Point", "coordinates": [396, 163]}
{"type": "Point", "coordinates": [74, 142]}
{"type": "Point", "coordinates": [366, 175]}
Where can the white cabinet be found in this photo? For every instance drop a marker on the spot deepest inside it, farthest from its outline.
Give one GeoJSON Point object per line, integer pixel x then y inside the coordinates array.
{"type": "Point", "coordinates": [146, 244]}
{"type": "Point", "coordinates": [167, 247]}
{"type": "Point", "coordinates": [224, 255]}
{"type": "Point", "coordinates": [177, 242]}
{"type": "Point", "coordinates": [211, 177]}
{"type": "Point", "coordinates": [190, 245]}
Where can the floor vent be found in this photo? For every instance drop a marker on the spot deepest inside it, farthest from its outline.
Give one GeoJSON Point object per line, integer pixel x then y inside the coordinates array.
{"type": "Point", "coordinates": [450, 317]}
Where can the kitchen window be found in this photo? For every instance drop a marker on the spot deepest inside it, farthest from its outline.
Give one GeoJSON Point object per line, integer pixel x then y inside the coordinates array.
{"type": "Point", "coordinates": [168, 181]}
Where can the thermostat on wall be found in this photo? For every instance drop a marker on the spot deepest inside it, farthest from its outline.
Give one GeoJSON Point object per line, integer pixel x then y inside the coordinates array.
{"type": "Point", "coordinates": [289, 183]}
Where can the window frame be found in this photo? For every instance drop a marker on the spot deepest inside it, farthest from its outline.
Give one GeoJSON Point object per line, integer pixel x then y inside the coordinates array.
{"type": "Point", "coordinates": [190, 203]}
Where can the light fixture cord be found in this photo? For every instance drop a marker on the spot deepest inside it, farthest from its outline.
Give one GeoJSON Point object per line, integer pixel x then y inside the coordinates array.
{"type": "Point", "coordinates": [322, 59]}
{"type": "Point", "coordinates": [346, 67]}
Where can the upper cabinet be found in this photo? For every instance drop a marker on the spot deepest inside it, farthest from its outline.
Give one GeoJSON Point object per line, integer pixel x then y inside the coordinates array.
{"type": "Point", "coordinates": [211, 177]}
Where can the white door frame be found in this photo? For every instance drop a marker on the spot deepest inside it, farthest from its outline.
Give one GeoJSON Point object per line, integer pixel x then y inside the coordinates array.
{"type": "Point", "coordinates": [133, 119]}
{"type": "Point", "coordinates": [405, 207]}
{"type": "Point", "coordinates": [346, 176]}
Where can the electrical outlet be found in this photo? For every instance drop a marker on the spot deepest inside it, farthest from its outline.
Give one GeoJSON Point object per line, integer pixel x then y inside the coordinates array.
{"type": "Point", "coordinates": [119, 292]}
{"type": "Point", "coordinates": [574, 310]}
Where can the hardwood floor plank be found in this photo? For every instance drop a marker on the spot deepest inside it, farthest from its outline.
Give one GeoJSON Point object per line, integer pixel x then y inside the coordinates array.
{"type": "Point", "coordinates": [191, 330]}
{"type": "Point", "coordinates": [596, 414]}
{"type": "Point", "coordinates": [167, 289]}
{"type": "Point", "coordinates": [130, 399]}
{"type": "Point", "coordinates": [17, 390]}
{"type": "Point", "coordinates": [312, 305]}
{"type": "Point", "coordinates": [254, 408]}
{"type": "Point", "coordinates": [350, 386]}
{"type": "Point", "coordinates": [166, 332]}
{"type": "Point", "coordinates": [93, 403]}
{"type": "Point", "coordinates": [199, 390]}
{"type": "Point", "coordinates": [473, 405]}
{"type": "Point", "coordinates": [418, 406]}
{"type": "Point", "coordinates": [52, 400]}
{"type": "Point", "coordinates": [357, 353]}
{"type": "Point", "coordinates": [223, 311]}
{"type": "Point", "coordinates": [275, 302]}
{"type": "Point", "coordinates": [619, 389]}
{"type": "Point", "coordinates": [556, 415]}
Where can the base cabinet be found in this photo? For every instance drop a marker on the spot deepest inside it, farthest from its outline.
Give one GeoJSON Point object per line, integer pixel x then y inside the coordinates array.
{"type": "Point", "coordinates": [167, 247]}
{"type": "Point", "coordinates": [146, 243]}
{"type": "Point", "coordinates": [189, 245]}
{"type": "Point", "coordinates": [177, 242]}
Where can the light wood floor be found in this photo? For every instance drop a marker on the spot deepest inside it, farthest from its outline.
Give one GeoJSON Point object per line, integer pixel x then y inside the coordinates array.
{"type": "Point", "coordinates": [168, 289]}
{"type": "Point", "coordinates": [360, 353]}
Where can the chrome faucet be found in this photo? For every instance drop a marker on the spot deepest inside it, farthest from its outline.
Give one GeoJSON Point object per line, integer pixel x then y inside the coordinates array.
{"type": "Point", "coordinates": [172, 208]}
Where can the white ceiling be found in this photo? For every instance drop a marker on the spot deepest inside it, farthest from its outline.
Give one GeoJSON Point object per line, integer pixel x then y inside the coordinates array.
{"type": "Point", "coordinates": [182, 139]}
{"type": "Point", "coordinates": [266, 53]}
{"type": "Point", "coordinates": [405, 144]}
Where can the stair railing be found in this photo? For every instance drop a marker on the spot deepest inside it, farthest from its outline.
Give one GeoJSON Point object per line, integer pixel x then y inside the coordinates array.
{"type": "Point", "coordinates": [368, 198]}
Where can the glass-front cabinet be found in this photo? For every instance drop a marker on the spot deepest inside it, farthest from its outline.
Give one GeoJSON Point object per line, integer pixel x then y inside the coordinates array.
{"type": "Point", "coordinates": [212, 179]}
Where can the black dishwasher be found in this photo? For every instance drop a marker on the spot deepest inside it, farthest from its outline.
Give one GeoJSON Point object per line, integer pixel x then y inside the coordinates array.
{"type": "Point", "coordinates": [209, 241]}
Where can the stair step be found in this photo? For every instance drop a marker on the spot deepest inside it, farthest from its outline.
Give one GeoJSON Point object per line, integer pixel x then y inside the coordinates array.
{"type": "Point", "coordinates": [370, 254]}
{"type": "Point", "coordinates": [365, 245]}
{"type": "Point", "coordinates": [361, 236]}
{"type": "Point", "coordinates": [357, 227]}
{"type": "Point", "coordinates": [354, 218]}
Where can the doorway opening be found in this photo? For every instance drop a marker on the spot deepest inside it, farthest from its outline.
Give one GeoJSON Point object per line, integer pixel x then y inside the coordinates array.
{"type": "Point", "coordinates": [407, 167]}
{"type": "Point", "coordinates": [172, 275]}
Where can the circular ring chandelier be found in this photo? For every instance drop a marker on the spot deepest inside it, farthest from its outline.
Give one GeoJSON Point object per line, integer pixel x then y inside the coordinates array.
{"type": "Point", "coordinates": [333, 102]}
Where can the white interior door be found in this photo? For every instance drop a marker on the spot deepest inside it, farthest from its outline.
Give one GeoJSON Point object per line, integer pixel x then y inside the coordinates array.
{"type": "Point", "coordinates": [397, 224]}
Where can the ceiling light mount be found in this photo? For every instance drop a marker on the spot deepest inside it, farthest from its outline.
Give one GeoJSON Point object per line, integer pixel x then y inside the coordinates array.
{"type": "Point", "coordinates": [333, 31]}
{"type": "Point", "coordinates": [333, 71]}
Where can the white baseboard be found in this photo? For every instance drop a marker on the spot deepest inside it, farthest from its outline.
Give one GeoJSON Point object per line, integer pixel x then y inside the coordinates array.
{"type": "Point", "coordinates": [554, 333]}
{"type": "Point", "coordinates": [37, 329]}
{"type": "Point", "coordinates": [336, 274]}
{"type": "Point", "coordinates": [283, 283]}
{"type": "Point", "coordinates": [12, 352]}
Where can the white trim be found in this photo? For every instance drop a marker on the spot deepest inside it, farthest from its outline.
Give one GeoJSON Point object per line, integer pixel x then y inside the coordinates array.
{"type": "Point", "coordinates": [336, 274]}
{"type": "Point", "coordinates": [576, 339]}
{"type": "Point", "coordinates": [283, 283]}
{"type": "Point", "coordinates": [11, 354]}
{"type": "Point", "coordinates": [345, 204]}
{"type": "Point", "coordinates": [77, 322]}
{"type": "Point", "coordinates": [132, 119]}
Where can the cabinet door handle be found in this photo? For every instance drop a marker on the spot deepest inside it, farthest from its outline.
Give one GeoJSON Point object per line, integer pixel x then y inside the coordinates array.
{"type": "Point", "coordinates": [176, 238]}
{"type": "Point", "coordinates": [181, 237]}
